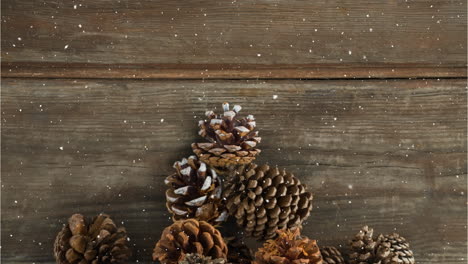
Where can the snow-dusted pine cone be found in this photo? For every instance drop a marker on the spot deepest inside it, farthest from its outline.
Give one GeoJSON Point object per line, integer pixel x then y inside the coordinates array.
{"type": "Point", "coordinates": [289, 248]}
{"type": "Point", "coordinates": [331, 255]}
{"type": "Point", "coordinates": [200, 259]}
{"type": "Point", "coordinates": [265, 199]}
{"type": "Point", "coordinates": [96, 241]}
{"type": "Point", "coordinates": [195, 192]}
{"type": "Point", "coordinates": [231, 141]}
{"type": "Point", "coordinates": [189, 236]}
{"type": "Point", "coordinates": [398, 247]}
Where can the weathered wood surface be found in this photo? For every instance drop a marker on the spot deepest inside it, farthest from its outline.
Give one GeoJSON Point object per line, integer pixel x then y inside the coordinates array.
{"type": "Point", "coordinates": [375, 38]}
{"type": "Point", "coordinates": [223, 71]}
{"type": "Point", "coordinates": [391, 154]}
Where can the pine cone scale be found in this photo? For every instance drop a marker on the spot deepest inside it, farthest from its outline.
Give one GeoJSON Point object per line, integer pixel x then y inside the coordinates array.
{"type": "Point", "coordinates": [331, 255]}
{"type": "Point", "coordinates": [200, 259]}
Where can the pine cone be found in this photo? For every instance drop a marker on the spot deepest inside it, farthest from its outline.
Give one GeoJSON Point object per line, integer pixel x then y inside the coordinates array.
{"type": "Point", "coordinates": [331, 255]}
{"type": "Point", "coordinates": [239, 253]}
{"type": "Point", "coordinates": [200, 259]}
{"type": "Point", "coordinates": [189, 236]}
{"type": "Point", "coordinates": [97, 241]}
{"type": "Point", "coordinates": [265, 199]}
{"type": "Point", "coordinates": [231, 141]}
{"type": "Point", "coordinates": [363, 247]}
{"type": "Point", "coordinates": [398, 247]}
{"type": "Point", "coordinates": [388, 249]}
{"type": "Point", "coordinates": [289, 248]}
{"type": "Point", "coordinates": [195, 192]}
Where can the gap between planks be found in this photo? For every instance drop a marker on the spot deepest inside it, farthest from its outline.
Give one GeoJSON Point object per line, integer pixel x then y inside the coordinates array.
{"type": "Point", "coordinates": [51, 70]}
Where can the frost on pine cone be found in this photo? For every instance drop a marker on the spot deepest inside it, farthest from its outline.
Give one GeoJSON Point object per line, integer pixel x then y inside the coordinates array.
{"type": "Point", "coordinates": [398, 248]}
{"type": "Point", "coordinates": [289, 248]}
{"type": "Point", "coordinates": [97, 241]}
{"type": "Point", "coordinates": [231, 141]}
{"type": "Point", "coordinates": [388, 249]}
{"type": "Point", "coordinates": [195, 192]}
{"type": "Point", "coordinates": [331, 255]}
{"type": "Point", "coordinates": [200, 259]}
{"type": "Point", "coordinates": [265, 199]}
{"type": "Point", "coordinates": [189, 236]}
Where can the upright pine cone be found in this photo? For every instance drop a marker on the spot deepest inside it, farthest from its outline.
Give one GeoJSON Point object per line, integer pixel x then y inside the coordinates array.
{"type": "Point", "coordinates": [363, 247]}
{"type": "Point", "coordinates": [189, 236]}
{"type": "Point", "coordinates": [200, 259]}
{"type": "Point", "coordinates": [265, 199]}
{"type": "Point", "coordinates": [195, 192]}
{"type": "Point", "coordinates": [331, 255]}
{"type": "Point", "coordinates": [97, 241]}
{"type": "Point", "coordinates": [231, 142]}
{"type": "Point", "coordinates": [399, 248]}
{"type": "Point", "coordinates": [289, 248]}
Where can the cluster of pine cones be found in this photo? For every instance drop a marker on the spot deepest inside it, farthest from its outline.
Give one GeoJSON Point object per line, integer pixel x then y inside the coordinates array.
{"type": "Point", "coordinates": [219, 182]}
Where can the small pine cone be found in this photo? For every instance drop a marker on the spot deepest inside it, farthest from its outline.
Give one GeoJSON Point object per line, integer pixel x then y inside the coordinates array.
{"type": "Point", "coordinates": [98, 241]}
{"type": "Point", "coordinates": [195, 192]}
{"type": "Point", "coordinates": [363, 247]}
{"type": "Point", "coordinates": [331, 255]}
{"type": "Point", "coordinates": [394, 249]}
{"type": "Point", "coordinates": [239, 253]}
{"type": "Point", "coordinates": [189, 236]}
{"type": "Point", "coordinates": [264, 200]}
{"type": "Point", "coordinates": [200, 259]}
{"type": "Point", "coordinates": [289, 248]}
{"type": "Point", "coordinates": [231, 142]}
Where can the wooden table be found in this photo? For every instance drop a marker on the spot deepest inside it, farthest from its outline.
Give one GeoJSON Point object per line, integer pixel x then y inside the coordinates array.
{"type": "Point", "coordinates": [365, 101]}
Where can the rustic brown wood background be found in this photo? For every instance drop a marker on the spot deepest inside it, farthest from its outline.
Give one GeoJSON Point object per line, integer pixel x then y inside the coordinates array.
{"type": "Point", "coordinates": [99, 98]}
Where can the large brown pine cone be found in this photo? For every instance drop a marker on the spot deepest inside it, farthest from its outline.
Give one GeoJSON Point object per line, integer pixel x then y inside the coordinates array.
{"type": "Point", "coordinates": [399, 248]}
{"type": "Point", "coordinates": [363, 247]}
{"type": "Point", "coordinates": [195, 192]}
{"type": "Point", "coordinates": [97, 241]}
{"type": "Point", "coordinates": [289, 248]}
{"type": "Point", "coordinates": [331, 255]}
{"type": "Point", "coordinates": [189, 236]}
{"type": "Point", "coordinates": [231, 141]}
{"type": "Point", "coordinates": [200, 259]}
{"type": "Point", "coordinates": [265, 199]}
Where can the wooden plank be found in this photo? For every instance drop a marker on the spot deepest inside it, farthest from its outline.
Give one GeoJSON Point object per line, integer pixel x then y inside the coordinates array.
{"type": "Point", "coordinates": [246, 38]}
{"type": "Point", "coordinates": [391, 154]}
{"type": "Point", "coordinates": [224, 71]}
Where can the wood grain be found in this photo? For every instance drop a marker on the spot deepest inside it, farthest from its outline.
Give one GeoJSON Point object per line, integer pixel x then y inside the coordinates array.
{"type": "Point", "coordinates": [224, 71]}
{"type": "Point", "coordinates": [249, 39]}
{"type": "Point", "coordinates": [388, 153]}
